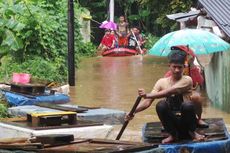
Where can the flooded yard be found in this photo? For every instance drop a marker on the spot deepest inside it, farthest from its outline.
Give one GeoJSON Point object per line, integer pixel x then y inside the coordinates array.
{"type": "Point", "coordinates": [112, 82]}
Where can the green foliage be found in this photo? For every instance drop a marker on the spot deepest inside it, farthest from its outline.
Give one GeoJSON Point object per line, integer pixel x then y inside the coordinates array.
{"type": "Point", "coordinates": [38, 67]}
{"type": "Point", "coordinates": [157, 21]}
{"type": "Point", "coordinates": [3, 107]}
{"type": "Point", "coordinates": [33, 38]}
{"type": "Point", "coordinates": [3, 111]}
{"type": "Point", "coordinates": [97, 8]}
{"type": "Point", "coordinates": [86, 49]}
{"type": "Point", "coordinates": [150, 15]}
{"type": "Point", "coordinates": [150, 41]}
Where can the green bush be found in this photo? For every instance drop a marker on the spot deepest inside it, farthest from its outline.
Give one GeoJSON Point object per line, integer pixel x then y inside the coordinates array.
{"type": "Point", "coordinates": [33, 38]}
{"type": "Point", "coordinates": [3, 107]}
{"type": "Point", "coordinates": [86, 49]}
{"type": "Point", "coordinates": [150, 41]}
{"type": "Point", "coordinates": [38, 67]}
{"type": "Point", "coordinates": [3, 111]}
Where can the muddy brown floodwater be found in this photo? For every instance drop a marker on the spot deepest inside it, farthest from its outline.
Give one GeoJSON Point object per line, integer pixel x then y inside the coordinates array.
{"type": "Point", "coordinates": [112, 82]}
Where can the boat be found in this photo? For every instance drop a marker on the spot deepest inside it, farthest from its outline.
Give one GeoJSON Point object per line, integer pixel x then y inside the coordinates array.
{"type": "Point", "coordinates": [120, 52]}
{"type": "Point", "coordinates": [217, 138]}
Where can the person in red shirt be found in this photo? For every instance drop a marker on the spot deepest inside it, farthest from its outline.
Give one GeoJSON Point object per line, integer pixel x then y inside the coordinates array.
{"type": "Point", "coordinates": [194, 72]}
{"type": "Point", "coordinates": [107, 42]}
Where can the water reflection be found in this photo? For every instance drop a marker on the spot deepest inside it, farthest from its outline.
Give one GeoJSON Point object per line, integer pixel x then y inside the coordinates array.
{"type": "Point", "coordinates": [112, 82]}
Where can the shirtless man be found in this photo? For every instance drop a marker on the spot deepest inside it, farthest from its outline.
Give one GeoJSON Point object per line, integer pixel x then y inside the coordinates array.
{"type": "Point", "coordinates": [175, 92]}
{"type": "Point", "coordinates": [193, 71]}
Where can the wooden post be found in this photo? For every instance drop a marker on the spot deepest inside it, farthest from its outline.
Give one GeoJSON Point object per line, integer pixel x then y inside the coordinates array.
{"type": "Point", "coordinates": [71, 65]}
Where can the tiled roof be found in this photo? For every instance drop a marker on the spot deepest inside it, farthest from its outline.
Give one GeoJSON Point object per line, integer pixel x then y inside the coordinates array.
{"type": "Point", "coordinates": [219, 10]}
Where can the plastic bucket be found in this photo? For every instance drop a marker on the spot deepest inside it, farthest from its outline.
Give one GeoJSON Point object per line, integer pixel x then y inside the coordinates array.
{"type": "Point", "coordinates": [22, 78]}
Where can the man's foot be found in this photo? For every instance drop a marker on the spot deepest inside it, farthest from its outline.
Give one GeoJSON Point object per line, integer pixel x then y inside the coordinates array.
{"type": "Point", "coordinates": [196, 137]}
{"type": "Point", "coordinates": [169, 139]}
{"type": "Point", "coordinates": [202, 124]}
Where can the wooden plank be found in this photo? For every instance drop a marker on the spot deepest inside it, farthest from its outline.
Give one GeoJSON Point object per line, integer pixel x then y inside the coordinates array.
{"type": "Point", "coordinates": [52, 118]}
{"type": "Point", "coordinates": [25, 124]}
{"type": "Point", "coordinates": [63, 108]}
{"type": "Point", "coordinates": [88, 107]}
{"type": "Point", "coordinates": [13, 140]}
{"type": "Point", "coordinates": [99, 145]}
{"type": "Point", "coordinates": [31, 89]}
{"type": "Point", "coordinates": [216, 131]}
{"type": "Point", "coordinates": [22, 146]}
{"type": "Point", "coordinates": [107, 141]}
{"type": "Point", "coordinates": [54, 139]}
{"type": "Point", "coordinates": [52, 114]}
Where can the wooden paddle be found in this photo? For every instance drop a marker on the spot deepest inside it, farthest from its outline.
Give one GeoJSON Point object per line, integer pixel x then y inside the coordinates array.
{"type": "Point", "coordinates": [138, 45]}
{"type": "Point", "coordinates": [130, 114]}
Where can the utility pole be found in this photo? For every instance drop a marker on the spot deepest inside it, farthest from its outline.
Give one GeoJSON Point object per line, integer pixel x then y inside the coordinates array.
{"type": "Point", "coordinates": [111, 10]}
{"type": "Point", "coordinates": [71, 63]}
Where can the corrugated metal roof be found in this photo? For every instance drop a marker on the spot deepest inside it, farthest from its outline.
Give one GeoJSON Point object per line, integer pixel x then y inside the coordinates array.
{"type": "Point", "coordinates": [219, 10]}
{"type": "Point", "coordinates": [183, 16]}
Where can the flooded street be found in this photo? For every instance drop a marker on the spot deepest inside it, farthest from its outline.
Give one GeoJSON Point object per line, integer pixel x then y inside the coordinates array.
{"type": "Point", "coordinates": [112, 82]}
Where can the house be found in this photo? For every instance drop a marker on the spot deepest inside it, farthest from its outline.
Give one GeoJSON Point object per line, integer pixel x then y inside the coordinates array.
{"type": "Point", "coordinates": [217, 73]}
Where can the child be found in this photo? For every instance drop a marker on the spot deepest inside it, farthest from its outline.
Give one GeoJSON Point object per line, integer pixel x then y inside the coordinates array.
{"type": "Point", "coordinates": [107, 42]}
{"type": "Point", "coordinates": [116, 39]}
{"type": "Point", "coordinates": [122, 31]}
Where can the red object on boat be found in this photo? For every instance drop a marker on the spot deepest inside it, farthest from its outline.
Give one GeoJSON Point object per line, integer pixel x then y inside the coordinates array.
{"type": "Point", "coordinates": [120, 52]}
{"type": "Point", "coordinates": [185, 49]}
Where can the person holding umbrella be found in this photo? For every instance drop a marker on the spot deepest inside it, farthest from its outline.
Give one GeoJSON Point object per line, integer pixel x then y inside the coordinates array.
{"type": "Point", "coordinates": [175, 91]}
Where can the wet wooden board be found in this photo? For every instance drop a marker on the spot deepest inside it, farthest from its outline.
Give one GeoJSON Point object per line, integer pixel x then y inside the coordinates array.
{"type": "Point", "coordinates": [31, 89]}
{"type": "Point", "coordinates": [216, 131]}
{"type": "Point", "coordinates": [19, 144]}
{"type": "Point", "coordinates": [63, 108]}
{"type": "Point", "coordinates": [53, 139]}
{"type": "Point", "coordinates": [52, 118]}
{"type": "Point", "coordinates": [81, 145]}
{"type": "Point", "coordinates": [99, 146]}
{"type": "Point", "coordinates": [22, 122]}
{"type": "Point", "coordinates": [22, 146]}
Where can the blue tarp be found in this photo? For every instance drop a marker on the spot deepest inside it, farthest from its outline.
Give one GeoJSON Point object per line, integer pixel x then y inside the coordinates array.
{"type": "Point", "coordinates": [218, 146]}
{"type": "Point", "coordinates": [19, 100]}
{"type": "Point", "coordinates": [221, 146]}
